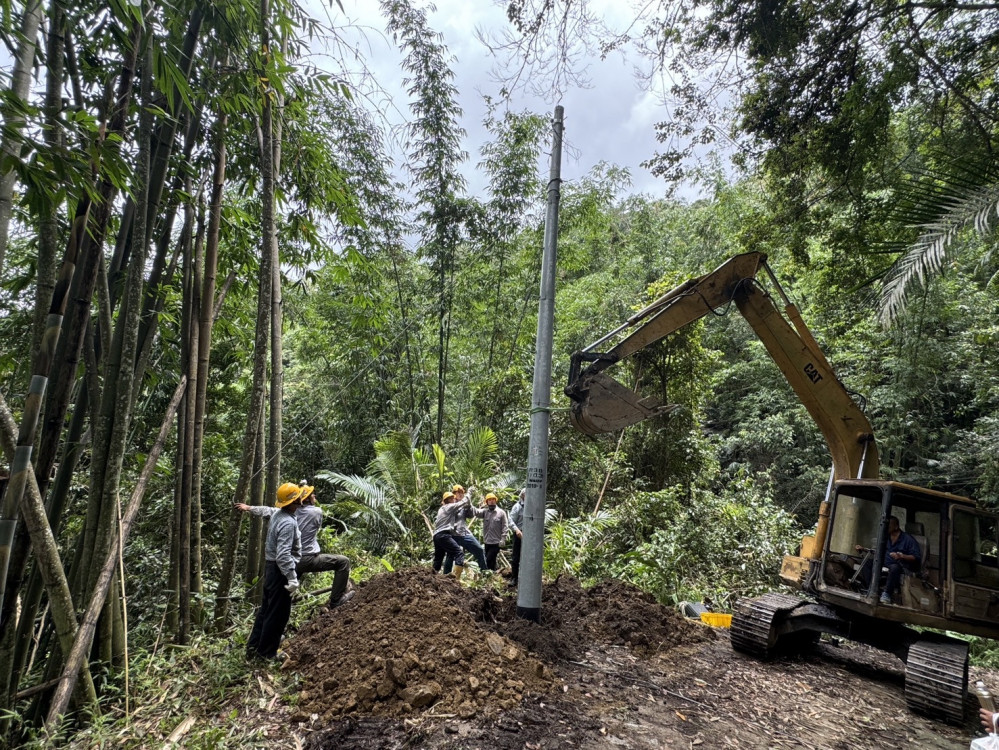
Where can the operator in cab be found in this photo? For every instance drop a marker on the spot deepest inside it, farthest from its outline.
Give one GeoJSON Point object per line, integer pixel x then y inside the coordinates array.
{"type": "Point", "coordinates": [902, 554]}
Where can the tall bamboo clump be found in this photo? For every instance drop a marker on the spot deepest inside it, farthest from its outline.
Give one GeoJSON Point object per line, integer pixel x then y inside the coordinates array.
{"type": "Point", "coordinates": [137, 207]}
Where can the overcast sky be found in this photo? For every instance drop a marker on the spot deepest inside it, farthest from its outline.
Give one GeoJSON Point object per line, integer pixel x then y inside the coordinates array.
{"type": "Point", "coordinates": [612, 120]}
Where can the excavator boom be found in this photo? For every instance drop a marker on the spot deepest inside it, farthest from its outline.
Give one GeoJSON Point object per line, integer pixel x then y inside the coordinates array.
{"type": "Point", "coordinates": [601, 404]}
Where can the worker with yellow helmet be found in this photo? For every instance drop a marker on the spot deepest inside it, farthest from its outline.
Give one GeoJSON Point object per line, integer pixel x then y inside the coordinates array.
{"type": "Point", "coordinates": [445, 541]}
{"type": "Point", "coordinates": [494, 528]}
{"type": "Point", "coordinates": [309, 518]}
{"type": "Point", "coordinates": [282, 551]}
{"type": "Point", "coordinates": [462, 535]}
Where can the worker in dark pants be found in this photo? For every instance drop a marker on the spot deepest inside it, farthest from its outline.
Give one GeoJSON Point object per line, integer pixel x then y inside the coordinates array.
{"type": "Point", "coordinates": [310, 519]}
{"type": "Point", "coordinates": [462, 535]}
{"type": "Point", "coordinates": [901, 554]}
{"type": "Point", "coordinates": [494, 526]}
{"type": "Point", "coordinates": [282, 551]}
{"type": "Point", "coordinates": [445, 542]}
{"type": "Point", "coordinates": [516, 518]}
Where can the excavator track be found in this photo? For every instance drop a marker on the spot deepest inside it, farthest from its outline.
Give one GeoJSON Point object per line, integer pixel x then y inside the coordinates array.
{"type": "Point", "coordinates": [755, 621]}
{"type": "Point", "coordinates": [936, 679]}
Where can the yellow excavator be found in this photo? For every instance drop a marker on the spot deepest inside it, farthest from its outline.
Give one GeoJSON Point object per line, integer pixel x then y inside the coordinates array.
{"type": "Point", "coordinates": [952, 586]}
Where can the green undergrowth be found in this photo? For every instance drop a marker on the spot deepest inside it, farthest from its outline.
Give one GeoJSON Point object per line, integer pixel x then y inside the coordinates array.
{"type": "Point", "coordinates": [984, 652]}
{"type": "Point", "coordinates": [204, 695]}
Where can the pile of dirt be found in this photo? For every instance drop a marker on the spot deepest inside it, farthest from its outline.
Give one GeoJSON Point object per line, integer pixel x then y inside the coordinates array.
{"type": "Point", "coordinates": [573, 619]}
{"type": "Point", "coordinates": [408, 641]}
{"type": "Point", "coordinates": [412, 642]}
{"type": "Point", "coordinates": [607, 667]}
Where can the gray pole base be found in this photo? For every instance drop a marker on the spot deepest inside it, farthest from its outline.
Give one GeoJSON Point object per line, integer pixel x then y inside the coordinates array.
{"type": "Point", "coordinates": [530, 613]}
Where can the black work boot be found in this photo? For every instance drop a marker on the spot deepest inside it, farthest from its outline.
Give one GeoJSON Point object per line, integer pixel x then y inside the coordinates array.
{"type": "Point", "coordinates": [347, 596]}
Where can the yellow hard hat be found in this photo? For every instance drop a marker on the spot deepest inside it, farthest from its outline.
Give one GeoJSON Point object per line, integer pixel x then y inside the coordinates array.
{"type": "Point", "coordinates": [457, 488]}
{"type": "Point", "coordinates": [491, 496]}
{"type": "Point", "coordinates": [447, 496]}
{"type": "Point", "coordinates": [287, 494]}
{"type": "Point", "coordinates": [307, 489]}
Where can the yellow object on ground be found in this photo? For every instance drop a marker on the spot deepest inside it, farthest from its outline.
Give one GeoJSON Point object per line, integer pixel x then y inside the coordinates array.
{"type": "Point", "coordinates": [716, 619]}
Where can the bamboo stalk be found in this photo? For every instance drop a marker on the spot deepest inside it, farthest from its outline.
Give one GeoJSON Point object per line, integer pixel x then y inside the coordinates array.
{"type": "Point", "coordinates": [85, 634]}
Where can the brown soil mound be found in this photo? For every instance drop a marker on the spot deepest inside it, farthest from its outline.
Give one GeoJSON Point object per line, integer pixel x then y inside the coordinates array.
{"type": "Point", "coordinates": [573, 619]}
{"type": "Point", "coordinates": [414, 642]}
{"type": "Point", "coordinates": [409, 640]}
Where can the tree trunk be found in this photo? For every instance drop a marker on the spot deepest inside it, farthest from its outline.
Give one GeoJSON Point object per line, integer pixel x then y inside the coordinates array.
{"type": "Point", "coordinates": [89, 228]}
{"type": "Point", "coordinates": [47, 556]}
{"type": "Point", "coordinates": [54, 509]}
{"type": "Point", "coordinates": [207, 321]}
{"type": "Point", "coordinates": [172, 621]}
{"type": "Point", "coordinates": [10, 147]}
{"type": "Point", "coordinates": [260, 347]}
{"type": "Point", "coordinates": [185, 439]}
{"type": "Point", "coordinates": [255, 546]}
{"type": "Point", "coordinates": [81, 645]}
{"type": "Point", "coordinates": [249, 445]}
{"type": "Point", "coordinates": [20, 466]}
{"type": "Point", "coordinates": [111, 432]}
{"type": "Point", "coordinates": [159, 281]}
{"type": "Point", "coordinates": [163, 140]}
{"type": "Point", "coordinates": [271, 140]}
{"type": "Point", "coordinates": [48, 229]}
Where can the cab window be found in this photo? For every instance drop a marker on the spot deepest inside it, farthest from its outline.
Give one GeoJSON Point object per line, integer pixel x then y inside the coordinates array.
{"type": "Point", "coordinates": [976, 547]}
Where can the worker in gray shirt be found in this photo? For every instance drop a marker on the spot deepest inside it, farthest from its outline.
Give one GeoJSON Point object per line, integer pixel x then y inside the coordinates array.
{"type": "Point", "coordinates": [516, 521]}
{"type": "Point", "coordinates": [445, 542]}
{"type": "Point", "coordinates": [282, 551]}
{"type": "Point", "coordinates": [494, 526]}
{"type": "Point", "coordinates": [462, 535]}
{"type": "Point", "coordinates": [310, 518]}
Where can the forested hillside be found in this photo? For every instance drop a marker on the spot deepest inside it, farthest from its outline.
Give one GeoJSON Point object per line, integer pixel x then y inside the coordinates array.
{"type": "Point", "coordinates": [223, 268]}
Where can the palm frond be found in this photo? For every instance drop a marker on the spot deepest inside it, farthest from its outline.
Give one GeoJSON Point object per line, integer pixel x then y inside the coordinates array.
{"type": "Point", "coordinates": [348, 508]}
{"type": "Point", "coordinates": [369, 491]}
{"type": "Point", "coordinates": [474, 461]}
{"type": "Point", "coordinates": [506, 482]}
{"type": "Point", "coordinates": [941, 206]}
{"type": "Point", "coordinates": [398, 463]}
{"type": "Point", "coordinates": [374, 502]}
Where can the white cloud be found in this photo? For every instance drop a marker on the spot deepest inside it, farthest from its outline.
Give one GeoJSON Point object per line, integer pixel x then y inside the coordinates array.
{"type": "Point", "coordinates": [610, 121]}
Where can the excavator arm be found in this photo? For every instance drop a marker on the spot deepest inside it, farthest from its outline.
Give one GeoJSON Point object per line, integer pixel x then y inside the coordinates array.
{"type": "Point", "coordinates": [601, 404]}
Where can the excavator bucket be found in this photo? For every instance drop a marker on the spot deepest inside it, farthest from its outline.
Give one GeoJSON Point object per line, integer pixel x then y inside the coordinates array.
{"type": "Point", "coordinates": [607, 406]}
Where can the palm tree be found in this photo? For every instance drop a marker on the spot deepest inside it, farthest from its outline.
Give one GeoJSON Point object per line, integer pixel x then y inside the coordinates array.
{"type": "Point", "coordinates": [402, 485]}
{"type": "Point", "coordinates": [384, 503]}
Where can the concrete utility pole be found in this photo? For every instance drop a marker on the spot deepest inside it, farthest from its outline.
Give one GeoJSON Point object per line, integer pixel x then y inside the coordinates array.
{"type": "Point", "coordinates": [532, 556]}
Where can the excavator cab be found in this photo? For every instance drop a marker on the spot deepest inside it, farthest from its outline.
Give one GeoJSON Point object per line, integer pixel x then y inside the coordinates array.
{"type": "Point", "coordinates": [858, 541]}
{"type": "Point", "coordinates": [952, 585]}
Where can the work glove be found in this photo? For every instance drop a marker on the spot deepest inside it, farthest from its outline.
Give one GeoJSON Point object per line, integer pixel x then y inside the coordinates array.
{"type": "Point", "coordinates": [292, 586]}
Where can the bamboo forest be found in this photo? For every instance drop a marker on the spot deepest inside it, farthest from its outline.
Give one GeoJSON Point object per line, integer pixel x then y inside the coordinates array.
{"type": "Point", "coordinates": [261, 256]}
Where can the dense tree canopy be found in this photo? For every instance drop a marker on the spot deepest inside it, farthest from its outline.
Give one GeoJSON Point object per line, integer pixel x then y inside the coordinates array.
{"type": "Point", "coordinates": [214, 277]}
